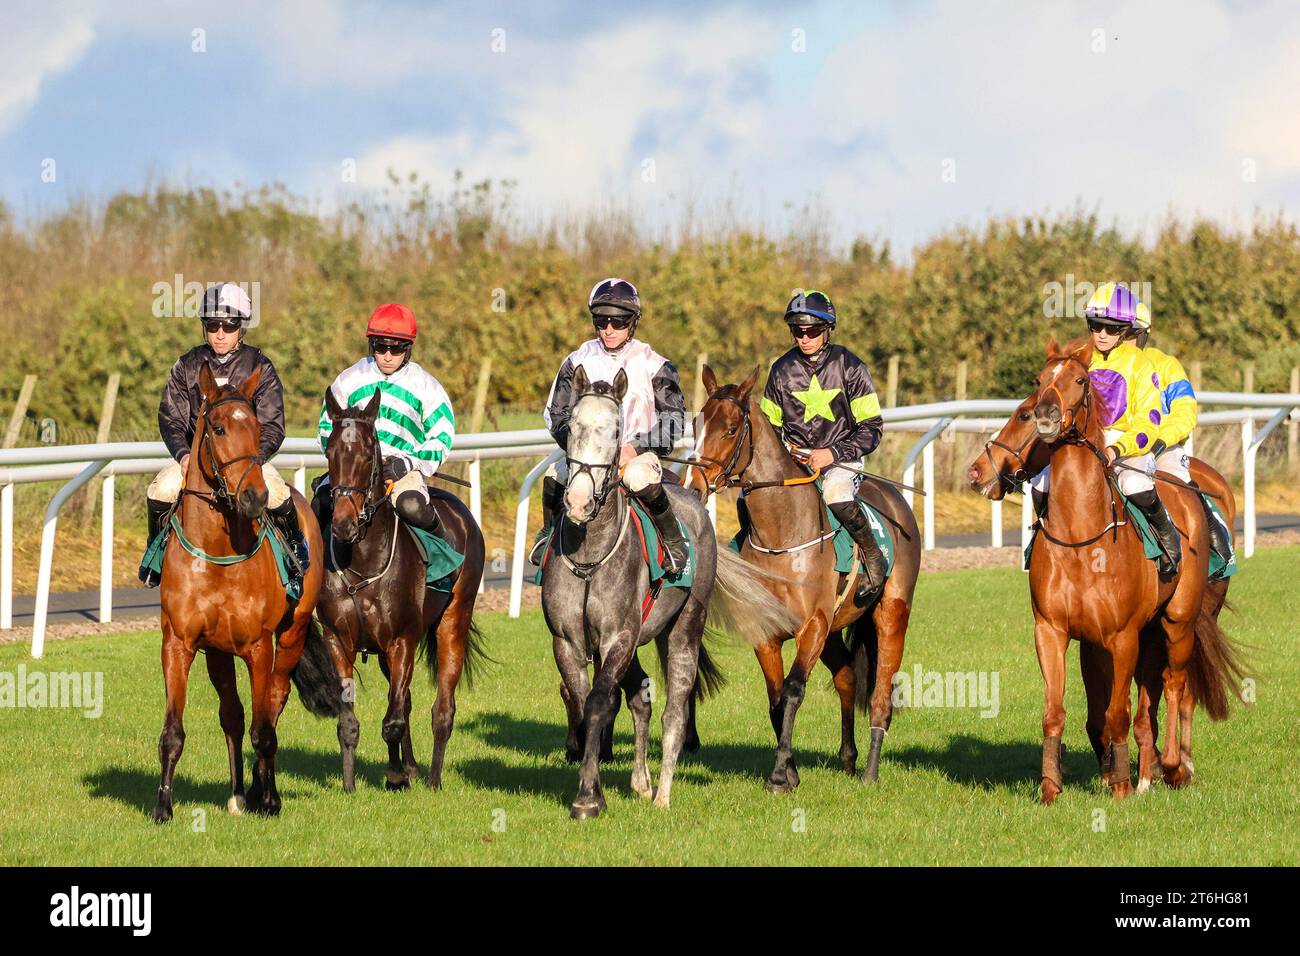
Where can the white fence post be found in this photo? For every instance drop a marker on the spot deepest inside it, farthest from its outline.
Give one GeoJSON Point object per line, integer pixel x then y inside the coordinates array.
{"type": "Point", "coordinates": [476, 501]}
{"type": "Point", "coordinates": [106, 552]}
{"type": "Point", "coordinates": [7, 557]}
{"type": "Point", "coordinates": [300, 479]}
{"type": "Point", "coordinates": [1248, 449]}
{"type": "Point", "coordinates": [927, 477]}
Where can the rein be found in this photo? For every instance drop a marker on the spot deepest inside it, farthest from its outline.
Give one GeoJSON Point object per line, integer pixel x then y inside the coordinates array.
{"type": "Point", "coordinates": [222, 491]}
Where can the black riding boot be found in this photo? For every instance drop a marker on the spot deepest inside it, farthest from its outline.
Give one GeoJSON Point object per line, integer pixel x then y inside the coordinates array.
{"type": "Point", "coordinates": [552, 501]}
{"type": "Point", "coordinates": [158, 511]}
{"type": "Point", "coordinates": [417, 512]}
{"type": "Point", "coordinates": [286, 519]}
{"type": "Point", "coordinates": [1219, 539]}
{"type": "Point", "coordinates": [1153, 510]}
{"type": "Point", "coordinates": [660, 509]}
{"type": "Point", "coordinates": [874, 560]}
{"type": "Point", "coordinates": [322, 502]}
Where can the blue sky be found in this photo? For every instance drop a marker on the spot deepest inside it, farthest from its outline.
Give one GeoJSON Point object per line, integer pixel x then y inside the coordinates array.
{"type": "Point", "coordinates": [892, 120]}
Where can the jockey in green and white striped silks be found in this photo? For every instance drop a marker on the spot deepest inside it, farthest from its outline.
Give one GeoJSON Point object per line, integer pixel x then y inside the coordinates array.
{"type": "Point", "coordinates": [415, 420]}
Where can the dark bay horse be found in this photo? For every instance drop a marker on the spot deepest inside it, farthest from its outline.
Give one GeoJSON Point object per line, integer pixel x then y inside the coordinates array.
{"type": "Point", "coordinates": [736, 445]}
{"type": "Point", "coordinates": [1090, 581]}
{"type": "Point", "coordinates": [1012, 457]}
{"type": "Point", "coordinates": [231, 608]}
{"type": "Point", "coordinates": [374, 599]}
{"type": "Point", "coordinates": [595, 586]}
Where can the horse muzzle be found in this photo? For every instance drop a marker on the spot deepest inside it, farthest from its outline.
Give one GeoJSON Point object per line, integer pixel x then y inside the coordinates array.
{"type": "Point", "coordinates": [251, 503]}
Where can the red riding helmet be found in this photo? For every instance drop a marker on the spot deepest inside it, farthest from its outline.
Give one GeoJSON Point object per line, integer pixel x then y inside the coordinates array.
{"type": "Point", "coordinates": [392, 321]}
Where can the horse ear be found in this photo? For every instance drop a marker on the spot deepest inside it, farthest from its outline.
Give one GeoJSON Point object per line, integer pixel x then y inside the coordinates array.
{"type": "Point", "coordinates": [620, 385]}
{"type": "Point", "coordinates": [580, 381]}
{"type": "Point", "coordinates": [747, 385]}
{"type": "Point", "coordinates": [1052, 348]}
{"type": "Point", "coordinates": [332, 405]}
{"type": "Point", "coordinates": [371, 410]}
{"type": "Point", "coordinates": [1082, 351]}
{"type": "Point", "coordinates": [249, 385]}
{"type": "Point", "coordinates": [208, 387]}
{"type": "Point", "coordinates": [710, 380]}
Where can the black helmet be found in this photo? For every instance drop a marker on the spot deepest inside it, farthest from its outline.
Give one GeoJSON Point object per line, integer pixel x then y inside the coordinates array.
{"type": "Point", "coordinates": [614, 297]}
{"type": "Point", "coordinates": [226, 301]}
{"type": "Point", "coordinates": [810, 307]}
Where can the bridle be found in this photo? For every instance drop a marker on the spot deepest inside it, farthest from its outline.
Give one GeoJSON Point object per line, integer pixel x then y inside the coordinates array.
{"type": "Point", "coordinates": [222, 490]}
{"type": "Point", "coordinates": [600, 490]}
{"type": "Point", "coordinates": [369, 506]}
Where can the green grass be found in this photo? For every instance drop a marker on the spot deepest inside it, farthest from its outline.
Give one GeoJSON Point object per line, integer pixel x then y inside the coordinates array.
{"type": "Point", "coordinates": [955, 788]}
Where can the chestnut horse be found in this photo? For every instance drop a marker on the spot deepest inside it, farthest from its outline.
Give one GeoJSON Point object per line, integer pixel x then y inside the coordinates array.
{"type": "Point", "coordinates": [375, 600]}
{"type": "Point", "coordinates": [1131, 623]}
{"type": "Point", "coordinates": [230, 609]}
{"type": "Point", "coordinates": [736, 445]}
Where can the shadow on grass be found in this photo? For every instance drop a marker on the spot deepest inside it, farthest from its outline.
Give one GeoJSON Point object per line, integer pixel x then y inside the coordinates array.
{"type": "Point", "coordinates": [975, 762]}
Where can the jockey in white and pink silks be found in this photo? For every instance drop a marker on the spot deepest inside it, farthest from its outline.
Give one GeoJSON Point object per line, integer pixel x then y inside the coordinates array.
{"type": "Point", "coordinates": [654, 412]}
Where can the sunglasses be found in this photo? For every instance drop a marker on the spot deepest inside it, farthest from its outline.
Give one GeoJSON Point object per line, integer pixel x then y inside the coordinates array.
{"type": "Point", "coordinates": [807, 331]}
{"type": "Point", "coordinates": [605, 321]}
{"type": "Point", "coordinates": [1097, 325]}
{"type": "Point", "coordinates": [390, 348]}
{"type": "Point", "coordinates": [225, 325]}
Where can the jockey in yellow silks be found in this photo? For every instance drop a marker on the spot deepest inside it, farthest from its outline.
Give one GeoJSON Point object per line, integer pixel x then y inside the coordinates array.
{"type": "Point", "coordinates": [1129, 395]}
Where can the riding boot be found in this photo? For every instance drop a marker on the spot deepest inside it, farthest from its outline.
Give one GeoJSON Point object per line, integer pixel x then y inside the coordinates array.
{"type": "Point", "coordinates": [419, 513]}
{"type": "Point", "coordinates": [873, 559]}
{"type": "Point", "coordinates": [322, 502]}
{"type": "Point", "coordinates": [660, 510]}
{"type": "Point", "coordinates": [158, 511]}
{"type": "Point", "coordinates": [1148, 502]}
{"type": "Point", "coordinates": [1040, 503]}
{"type": "Point", "coordinates": [552, 500]}
{"type": "Point", "coordinates": [1219, 539]}
{"type": "Point", "coordinates": [286, 519]}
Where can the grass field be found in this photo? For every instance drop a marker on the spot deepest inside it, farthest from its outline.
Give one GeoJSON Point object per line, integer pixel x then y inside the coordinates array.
{"type": "Point", "coordinates": [955, 788]}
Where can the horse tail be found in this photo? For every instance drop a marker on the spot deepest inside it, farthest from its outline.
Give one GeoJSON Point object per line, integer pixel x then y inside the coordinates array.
{"type": "Point", "coordinates": [317, 681]}
{"type": "Point", "coordinates": [1214, 667]}
{"type": "Point", "coordinates": [865, 650]}
{"type": "Point", "coordinates": [741, 606]}
{"type": "Point", "coordinates": [474, 658]}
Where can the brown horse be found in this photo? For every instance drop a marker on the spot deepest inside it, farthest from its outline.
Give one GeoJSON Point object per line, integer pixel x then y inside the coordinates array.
{"type": "Point", "coordinates": [231, 609]}
{"type": "Point", "coordinates": [737, 446]}
{"type": "Point", "coordinates": [1164, 632]}
{"type": "Point", "coordinates": [375, 600]}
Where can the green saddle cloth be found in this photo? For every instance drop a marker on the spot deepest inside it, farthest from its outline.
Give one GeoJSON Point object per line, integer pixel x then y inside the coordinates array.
{"type": "Point", "coordinates": [846, 549]}
{"type": "Point", "coordinates": [1219, 566]}
{"type": "Point", "coordinates": [442, 561]}
{"type": "Point", "coordinates": [658, 574]}
{"type": "Point", "coordinates": [156, 550]}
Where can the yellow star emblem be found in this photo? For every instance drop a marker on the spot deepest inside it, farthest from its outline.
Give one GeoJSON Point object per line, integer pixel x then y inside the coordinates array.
{"type": "Point", "coordinates": [817, 401]}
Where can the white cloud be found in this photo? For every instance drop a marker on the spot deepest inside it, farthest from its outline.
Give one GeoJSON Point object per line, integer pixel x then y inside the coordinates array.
{"type": "Point", "coordinates": [39, 43]}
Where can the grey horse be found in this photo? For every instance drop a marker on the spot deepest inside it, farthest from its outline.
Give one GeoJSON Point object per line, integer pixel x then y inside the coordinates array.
{"type": "Point", "coordinates": [594, 583]}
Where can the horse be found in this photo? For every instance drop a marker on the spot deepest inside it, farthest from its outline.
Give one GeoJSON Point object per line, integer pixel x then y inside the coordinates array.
{"type": "Point", "coordinates": [231, 608]}
{"type": "Point", "coordinates": [1165, 633]}
{"type": "Point", "coordinates": [599, 605]}
{"type": "Point", "coordinates": [737, 446]}
{"type": "Point", "coordinates": [1012, 457]}
{"type": "Point", "coordinates": [374, 600]}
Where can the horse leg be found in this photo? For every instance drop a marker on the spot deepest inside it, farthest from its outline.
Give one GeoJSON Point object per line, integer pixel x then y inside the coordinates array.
{"type": "Point", "coordinates": [176, 661]}
{"type": "Point", "coordinates": [809, 640]}
{"type": "Point", "coordinates": [1146, 723]}
{"type": "Point", "coordinates": [1123, 659]}
{"type": "Point", "coordinates": [837, 660]}
{"type": "Point", "coordinates": [349, 728]}
{"type": "Point", "coordinates": [221, 670]}
{"type": "Point", "coordinates": [574, 687]}
{"type": "Point", "coordinates": [1095, 669]}
{"type": "Point", "coordinates": [599, 709]}
{"type": "Point", "coordinates": [401, 663]}
{"type": "Point", "coordinates": [1178, 647]}
{"type": "Point", "coordinates": [262, 796]}
{"type": "Point", "coordinates": [408, 747]}
{"type": "Point", "coordinates": [691, 743]}
{"type": "Point", "coordinates": [452, 636]}
{"type": "Point", "coordinates": [769, 659]}
{"type": "Point", "coordinates": [890, 618]}
{"type": "Point", "coordinates": [1050, 643]}
{"type": "Point", "coordinates": [636, 687]}
{"type": "Point", "coordinates": [683, 659]}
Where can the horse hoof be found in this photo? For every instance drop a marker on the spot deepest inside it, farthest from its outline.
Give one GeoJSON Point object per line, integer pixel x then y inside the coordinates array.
{"type": "Point", "coordinates": [236, 805]}
{"type": "Point", "coordinates": [1050, 792]}
{"type": "Point", "coordinates": [779, 785]}
{"type": "Point", "coordinates": [871, 775]}
{"type": "Point", "coordinates": [1179, 777]}
{"type": "Point", "coordinates": [1144, 785]}
{"type": "Point", "coordinates": [395, 783]}
{"type": "Point", "coordinates": [161, 814]}
{"type": "Point", "coordinates": [584, 811]}
{"type": "Point", "coordinates": [662, 804]}
{"type": "Point", "coordinates": [572, 754]}
{"type": "Point", "coordinates": [691, 744]}
{"type": "Point", "coordinates": [1121, 790]}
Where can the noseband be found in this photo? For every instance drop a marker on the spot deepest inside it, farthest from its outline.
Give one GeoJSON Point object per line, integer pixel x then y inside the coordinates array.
{"type": "Point", "coordinates": [1073, 436]}
{"type": "Point", "coordinates": [577, 467]}
{"type": "Point", "coordinates": [219, 467]}
{"type": "Point", "coordinates": [369, 506]}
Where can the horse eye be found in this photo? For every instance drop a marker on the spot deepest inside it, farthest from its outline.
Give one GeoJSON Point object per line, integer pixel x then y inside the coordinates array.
{"type": "Point", "coordinates": [218, 430]}
{"type": "Point", "coordinates": [1079, 381]}
{"type": "Point", "coordinates": [1024, 416]}
{"type": "Point", "coordinates": [731, 431]}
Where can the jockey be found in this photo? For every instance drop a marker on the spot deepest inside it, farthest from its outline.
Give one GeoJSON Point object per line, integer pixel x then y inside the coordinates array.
{"type": "Point", "coordinates": [225, 313]}
{"type": "Point", "coordinates": [415, 424]}
{"type": "Point", "coordinates": [1129, 401]}
{"type": "Point", "coordinates": [654, 412]}
{"type": "Point", "coordinates": [820, 398]}
{"type": "Point", "coordinates": [1178, 410]}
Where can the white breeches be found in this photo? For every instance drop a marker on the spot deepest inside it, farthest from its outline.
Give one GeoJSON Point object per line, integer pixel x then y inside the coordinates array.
{"type": "Point", "coordinates": [641, 472]}
{"type": "Point", "coordinates": [167, 485]}
{"type": "Point", "coordinates": [1130, 482]}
